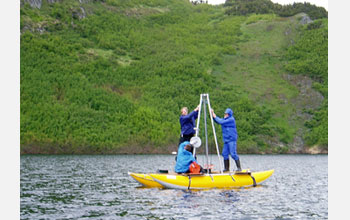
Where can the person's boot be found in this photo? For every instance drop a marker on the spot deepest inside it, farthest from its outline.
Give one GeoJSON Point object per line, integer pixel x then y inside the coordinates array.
{"type": "Point", "coordinates": [238, 164]}
{"type": "Point", "coordinates": [227, 165]}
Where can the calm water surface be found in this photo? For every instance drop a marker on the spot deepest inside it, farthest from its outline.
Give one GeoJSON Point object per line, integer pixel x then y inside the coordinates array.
{"type": "Point", "coordinates": [98, 187]}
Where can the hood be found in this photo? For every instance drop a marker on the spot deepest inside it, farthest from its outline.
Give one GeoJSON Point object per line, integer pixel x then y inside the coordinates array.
{"type": "Point", "coordinates": [229, 112]}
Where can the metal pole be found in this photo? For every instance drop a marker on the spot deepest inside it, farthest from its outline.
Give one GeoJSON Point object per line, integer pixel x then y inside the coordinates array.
{"type": "Point", "coordinates": [199, 115]}
{"type": "Point", "coordinates": [198, 119]}
{"type": "Point", "coordinates": [216, 142]}
{"type": "Point", "coordinates": [206, 136]}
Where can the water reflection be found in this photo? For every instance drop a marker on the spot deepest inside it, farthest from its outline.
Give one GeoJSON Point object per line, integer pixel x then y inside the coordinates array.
{"type": "Point", "coordinates": [230, 197]}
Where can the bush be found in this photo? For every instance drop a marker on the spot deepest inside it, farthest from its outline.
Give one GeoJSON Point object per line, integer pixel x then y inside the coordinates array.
{"type": "Point", "coordinates": [245, 7]}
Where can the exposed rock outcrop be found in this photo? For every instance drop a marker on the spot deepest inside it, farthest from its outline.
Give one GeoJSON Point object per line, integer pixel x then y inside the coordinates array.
{"type": "Point", "coordinates": [316, 150]}
{"type": "Point", "coordinates": [308, 99]}
{"type": "Point", "coordinates": [305, 19]}
{"type": "Point", "coordinates": [79, 13]}
{"type": "Point", "coordinates": [39, 27]}
{"type": "Point", "coordinates": [53, 1]}
{"type": "Point", "coordinates": [38, 3]}
{"type": "Point", "coordinates": [33, 3]}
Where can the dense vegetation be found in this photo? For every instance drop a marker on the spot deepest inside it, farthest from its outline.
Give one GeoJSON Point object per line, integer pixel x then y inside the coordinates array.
{"type": "Point", "coordinates": [244, 7]}
{"type": "Point", "coordinates": [111, 76]}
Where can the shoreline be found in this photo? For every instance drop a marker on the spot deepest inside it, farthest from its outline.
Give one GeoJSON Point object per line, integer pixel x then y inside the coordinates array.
{"type": "Point", "coordinates": [143, 150]}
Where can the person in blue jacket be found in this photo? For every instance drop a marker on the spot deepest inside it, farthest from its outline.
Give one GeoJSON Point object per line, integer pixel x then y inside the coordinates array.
{"type": "Point", "coordinates": [184, 158]}
{"type": "Point", "coordinates": [187, 122]}
{"type": "Point", "coordinates": [229, 135]}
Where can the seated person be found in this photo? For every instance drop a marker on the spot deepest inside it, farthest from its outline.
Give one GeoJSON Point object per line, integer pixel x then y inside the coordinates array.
{"type": "Point", "coordinates": [184, 158]}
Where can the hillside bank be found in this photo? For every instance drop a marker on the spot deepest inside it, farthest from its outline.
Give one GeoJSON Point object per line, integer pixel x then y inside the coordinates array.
{"type": "Point", "coordinates": [111, 76]}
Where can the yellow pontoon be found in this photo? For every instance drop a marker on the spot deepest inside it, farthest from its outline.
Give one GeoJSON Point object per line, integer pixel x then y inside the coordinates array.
{"type": "Point", "coordinates": [202, 181]}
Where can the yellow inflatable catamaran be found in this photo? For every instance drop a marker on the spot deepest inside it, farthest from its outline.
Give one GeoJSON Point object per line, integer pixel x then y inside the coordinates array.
{"type": "Point", "coordinates": [209, 179]}
{"type": "Point", "coordinates": [244, 178]}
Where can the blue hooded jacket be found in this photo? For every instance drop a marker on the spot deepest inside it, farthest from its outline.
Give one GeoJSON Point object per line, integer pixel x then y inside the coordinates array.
{"type": "Point", "coordinates": [188, 122]}
{"type": "Point", "coordinates": [184, 158]}
{"type": "Point", "coordinates": [228, 125]}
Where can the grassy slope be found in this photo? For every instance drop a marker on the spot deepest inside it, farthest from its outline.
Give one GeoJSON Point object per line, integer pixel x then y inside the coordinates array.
{"type": "Point", "coordinates": [114, 81]}
{"type": "Point", "coordinates": [257, 70]}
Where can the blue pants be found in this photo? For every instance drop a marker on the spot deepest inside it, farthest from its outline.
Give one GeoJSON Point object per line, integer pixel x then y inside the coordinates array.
{"type": "Point", "coordinates": [230, 148]}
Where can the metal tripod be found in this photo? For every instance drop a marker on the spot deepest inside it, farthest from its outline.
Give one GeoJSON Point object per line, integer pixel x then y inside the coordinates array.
{"type": "Point", "coordinates": [204, 102]}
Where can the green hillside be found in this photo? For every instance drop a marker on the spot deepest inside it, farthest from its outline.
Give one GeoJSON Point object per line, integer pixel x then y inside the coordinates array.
{"type": "Point", "coordinates": [111, 76]}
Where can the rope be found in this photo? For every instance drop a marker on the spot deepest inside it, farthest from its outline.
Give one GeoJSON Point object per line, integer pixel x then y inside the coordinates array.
{"type": "Point", "coordinates": [254, 182]}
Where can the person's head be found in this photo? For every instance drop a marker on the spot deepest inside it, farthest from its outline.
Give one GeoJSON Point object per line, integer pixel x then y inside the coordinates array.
{"type": "Point", "coordinates": [228, 113]}
{"type": "Point", "coordinates": [189, 148]}
{"type": "Point", "coordinates": [184, 111]}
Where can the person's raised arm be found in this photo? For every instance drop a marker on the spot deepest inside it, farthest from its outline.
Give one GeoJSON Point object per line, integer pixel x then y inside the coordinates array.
{"type": "Point", "coordinates": [194, 114]}
{"type": "Point", "coordinates": [219, 120]}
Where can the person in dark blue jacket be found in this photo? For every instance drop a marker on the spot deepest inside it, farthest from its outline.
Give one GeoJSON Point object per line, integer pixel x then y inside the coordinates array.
{"type": "Point", "coordinates": [187, 122]}
{"type": "Point", "coordinates": [184, 158]}
{"type": "Point", "coordinates": [229, 135]}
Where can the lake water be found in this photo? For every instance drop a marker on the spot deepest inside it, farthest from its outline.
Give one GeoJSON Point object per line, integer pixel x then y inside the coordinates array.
{"type": "Point", "coordinates": [98, 187]}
